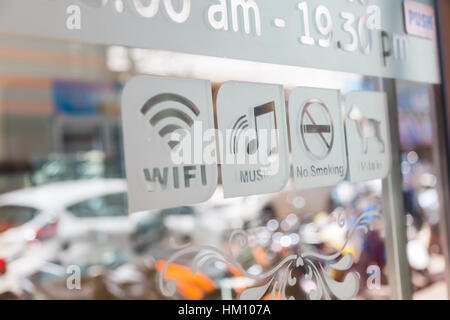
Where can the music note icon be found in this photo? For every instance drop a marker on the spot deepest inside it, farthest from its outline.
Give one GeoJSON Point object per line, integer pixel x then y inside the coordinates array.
{"type": "Point", "coordinates": [263, 122]}
{"type": "Point", "coordinates": [264, 117]}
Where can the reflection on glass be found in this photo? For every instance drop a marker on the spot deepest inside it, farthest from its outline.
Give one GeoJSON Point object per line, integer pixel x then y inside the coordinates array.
{"type": "Point", "coordinates": [63, 206]}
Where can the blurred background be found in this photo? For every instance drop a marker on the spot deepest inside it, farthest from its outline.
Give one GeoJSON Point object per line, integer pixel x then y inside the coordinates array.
{"type": "Point", "coordinates": [63, 194]}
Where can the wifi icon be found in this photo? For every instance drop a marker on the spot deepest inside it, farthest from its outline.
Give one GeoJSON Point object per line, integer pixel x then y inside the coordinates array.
{"type": "Point", "coordinates": [175, 118]}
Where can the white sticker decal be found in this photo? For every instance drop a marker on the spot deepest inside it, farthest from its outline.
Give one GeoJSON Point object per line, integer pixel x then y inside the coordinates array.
{"type": "Point", "coordinates": [365, 37]}
{"type": "Point", "coordinates": [368, 136]}
{"type": "Point", "coordinates": [317, 138]}
{"type": "Point", "coordinates": [420, 19]}
{"type": "Point", "coordinates": [253, 135]}
{"type": "Point", "coordinates": [164, 121]}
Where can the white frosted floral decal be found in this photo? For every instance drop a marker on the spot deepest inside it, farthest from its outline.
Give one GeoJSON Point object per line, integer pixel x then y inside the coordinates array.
{"type": "Point", "coordinates": [314, 266]}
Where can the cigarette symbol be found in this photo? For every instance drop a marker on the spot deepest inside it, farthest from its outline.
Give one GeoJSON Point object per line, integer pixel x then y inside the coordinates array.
{"type": "Point", "coordinates": [309, 127]}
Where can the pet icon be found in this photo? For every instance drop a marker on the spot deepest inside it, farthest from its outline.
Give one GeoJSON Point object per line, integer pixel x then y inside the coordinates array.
{"type": "Point", "coordinates": [367, 128]}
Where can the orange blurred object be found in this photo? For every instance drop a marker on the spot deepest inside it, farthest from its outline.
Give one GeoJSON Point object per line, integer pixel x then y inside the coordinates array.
{"type": "Point", "coordinates": [276, 296]}
{"type": "Point", "coordinates": [260, 256]}
{"type": "Point", "coordinates": [189, 290]}
{"type": "Point", "coordinates": [5, 226]}
{"type": "Point", "coordinates": [235, 272]}
{"type": "Point", "coordinates": [191, 286]}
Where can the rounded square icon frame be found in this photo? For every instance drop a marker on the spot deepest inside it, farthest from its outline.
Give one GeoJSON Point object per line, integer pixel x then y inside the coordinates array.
{"type": "Point", "coordinates": [136, 93]}
{"type": "Point", "coordinates": [316, 96]}
{"type": "Point", "coordinates": [353, 174]}
{"type": "Point", "coordinates": [230, 187]}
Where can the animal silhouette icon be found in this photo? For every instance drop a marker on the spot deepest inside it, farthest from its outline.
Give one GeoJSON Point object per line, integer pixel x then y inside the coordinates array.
{"type": "Point", "coordinates": [368, 129]}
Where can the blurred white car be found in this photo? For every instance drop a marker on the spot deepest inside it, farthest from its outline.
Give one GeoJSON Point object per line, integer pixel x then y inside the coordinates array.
{"type": "Point", "coordinates": [87, 223]}
{"type": "Point", "coordinates": [87, 219]}
{"type": "Point", "coordinates": [211, 221]}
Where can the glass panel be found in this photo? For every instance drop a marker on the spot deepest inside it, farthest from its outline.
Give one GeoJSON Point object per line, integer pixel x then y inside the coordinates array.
{"type": "Point", "coordinates": [73, 144]}
{"type": "Point", "coordinates": [61, 150]}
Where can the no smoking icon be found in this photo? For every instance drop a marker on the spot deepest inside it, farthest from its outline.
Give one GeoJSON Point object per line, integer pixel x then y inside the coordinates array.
{"type": "Point", "coordinates": [318, 151]}
{"type": "Point", "coordinates": [317, 129]}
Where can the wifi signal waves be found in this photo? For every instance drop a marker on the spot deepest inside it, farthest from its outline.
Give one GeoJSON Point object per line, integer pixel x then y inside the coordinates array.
{"type": "Point", "coordinates": [186, 116]}
{"type": "Point", "coordinates": [240, 126]}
